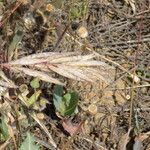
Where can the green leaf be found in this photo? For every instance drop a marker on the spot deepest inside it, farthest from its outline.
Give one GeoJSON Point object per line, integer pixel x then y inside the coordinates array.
{"type": "Point", "coordinates": [66, 99]}
{"type": "Point", "coordinates": [4, 134]}
{"type": "Point", "coordinates": [75, 13]}
{"type": "Point", "coordinates": [15, 41]}
{"type": "Point", "coordinates": [35, 83]}
{"type": "Point", "coordinates": [29, 143]}
{"type": "Point", "coordinates": [71, 101]}
{"type": "Point", "coordinates": [34, 98]}
{"type": "Point", "coordinates": [67, 104]}
{"type": "Point", "coordinates": [57, 96]}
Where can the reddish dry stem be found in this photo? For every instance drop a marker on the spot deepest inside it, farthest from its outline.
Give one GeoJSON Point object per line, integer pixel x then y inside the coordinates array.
{"type": "Point", "coordinates": [12, 11]}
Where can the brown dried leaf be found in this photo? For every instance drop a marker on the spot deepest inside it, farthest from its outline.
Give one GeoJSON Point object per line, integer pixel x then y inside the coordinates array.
{"type": "Point", "coordinates": [71, 128]}
{"type": "Point", "coordinates": [138, 141]}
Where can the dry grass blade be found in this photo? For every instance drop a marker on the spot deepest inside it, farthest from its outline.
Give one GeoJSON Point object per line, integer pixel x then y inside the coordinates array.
{"type": "Point", "coordinates": [73, 58]}
{"type": "Point", "coordinates": [70, 72]}
{"type": "Point", "coordinates": [89, 63]}
{"type": "Point", "coordinates": [6, 82]}
{"type": "Point", "coordinates": [45, 129]}
{"type": "Point", "coordinates": [62, 72]}
{"type": "Point", "coordinates": [41, 75]}
{"type": "Point", "coordinates": [27, 61]}
{"type": "Point", "coordinates": [100, 75]}
{"type": "Point", "coordinates": [4, 145]}
{"type": "Point", "coordinates": [48, 54]}
{"type": "Point", "coordinates": [39, 58]}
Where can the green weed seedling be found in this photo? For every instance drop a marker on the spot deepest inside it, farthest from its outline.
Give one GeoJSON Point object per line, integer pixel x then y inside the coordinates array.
{"type": "Point", "coordinates": [65, 104]}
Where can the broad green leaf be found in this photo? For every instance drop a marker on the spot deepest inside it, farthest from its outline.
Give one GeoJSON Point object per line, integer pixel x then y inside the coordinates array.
{"type": "Point", "coordinates": [15, 41]}
{"type": "Point", "coordinates": [57, 96]}
{"type": "Point", "coordinates": [35, 83]}
{"type": "Point", "coordinates": [71, 101]}
{"type": "Point", "coordinates": [67, 98]}
{"type": "Point", "coordinates": [4, 134]}
{"type": "Point", "coordinates": [67, 104]}
{"type": "Point", "coordinates": [58, 92]}
{"type": "Point", "coordinates": [29, 143]}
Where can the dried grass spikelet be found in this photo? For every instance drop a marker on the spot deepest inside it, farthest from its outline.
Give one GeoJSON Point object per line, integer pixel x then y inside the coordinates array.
{"type": "Point", "coordinates": [70, 65]}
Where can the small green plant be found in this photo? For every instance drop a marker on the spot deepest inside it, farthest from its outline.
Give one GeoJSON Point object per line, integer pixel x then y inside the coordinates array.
{"type": "Point", "coordinates": [65, 104]}
{"type": "Point", "coordinates": [78, 10]}
{"type": "Point", "coordinates": [35, 83]}
{"type": "Point", "coordinates": [4, 134]}
{"type": "Point", "coordinates": [29, 143]}
{"type": "Point", "coordinates": [143, 73]}
{"type": "Point", "coordinates": [35, 100]}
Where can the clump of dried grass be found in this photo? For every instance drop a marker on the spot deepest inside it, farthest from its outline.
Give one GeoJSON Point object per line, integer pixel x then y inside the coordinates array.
{"type": "Point", "coordinates": [70, 65]}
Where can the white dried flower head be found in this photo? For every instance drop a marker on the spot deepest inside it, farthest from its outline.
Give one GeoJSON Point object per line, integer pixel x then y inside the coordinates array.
{"type": "Point", "coordinates": [29, 20]}
{"type": "Point", "coordinates": [92, 109]}
{"type": "Point", "coordinates": [82, 32]}
{"type": "Point", "coordinates": [135, 78]}
{"type": "Point", "coordinates": [128, 97]}
{"type": "Point", "coordinates": [40, 116]}
{"type": "Point", "coordinates": [49, 8]}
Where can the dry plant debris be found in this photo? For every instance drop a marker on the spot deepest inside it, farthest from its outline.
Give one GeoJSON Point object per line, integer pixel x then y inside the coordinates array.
{"type": "Point", "coordinates": [98, 49]}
